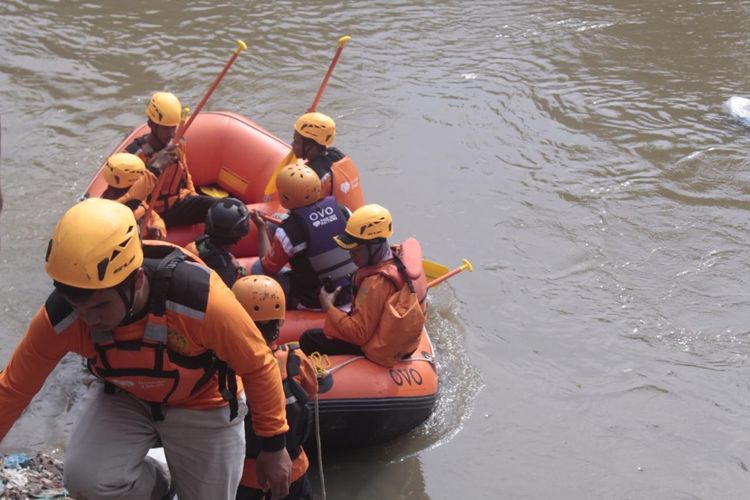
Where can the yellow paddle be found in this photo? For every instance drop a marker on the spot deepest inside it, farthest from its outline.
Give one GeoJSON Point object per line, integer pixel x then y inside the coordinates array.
{"type": "Point", "coordinates": [214, 192]}
{"type": "Point", "coordinates": [291, 157]}
{"type": "Point", "coordinates": [466, 265]}
{"type": "Point", "coordinates": [433, 269]}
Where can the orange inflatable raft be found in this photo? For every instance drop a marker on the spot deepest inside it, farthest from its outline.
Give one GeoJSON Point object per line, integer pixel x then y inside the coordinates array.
{"type": "Point", "coordinates": [360, 403]}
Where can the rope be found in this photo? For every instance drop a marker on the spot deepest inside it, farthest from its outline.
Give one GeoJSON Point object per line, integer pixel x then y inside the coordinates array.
{"type": "Point", "coordinates": [357, 358]}
{"type": "Point", "coordinates": [320, 450]}
{"type": "Point", "coordinates": [321, 362]}
{"type": "Point", "coordinates": [324, 367]}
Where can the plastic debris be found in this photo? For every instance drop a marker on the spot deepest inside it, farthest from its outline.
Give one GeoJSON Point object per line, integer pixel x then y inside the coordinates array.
{"type": "Point", "coordinates": [38, 477]}
{"type": "Point", "coordinates": [16, 460]}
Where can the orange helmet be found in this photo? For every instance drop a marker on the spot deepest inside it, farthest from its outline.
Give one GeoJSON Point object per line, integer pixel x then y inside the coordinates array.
{"type": "Point", "coordinates": [95, 245]}
{"type": "Point", "coordinates": [261, 296]}
{"type": "Point", "coordinates": [369, 223]}
{"type": "Point", "coordinates": [298, 186]}
{"type": "Point", "coordinates": [123, 169]}
{"type": "Point", "coordinates": [318, 127]}
{"type": "Point", "coordinates": [164, 109]}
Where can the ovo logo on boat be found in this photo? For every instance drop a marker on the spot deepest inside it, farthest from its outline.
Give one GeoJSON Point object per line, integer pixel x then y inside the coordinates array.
{"type": "Point", "coordinates": [408, 376]}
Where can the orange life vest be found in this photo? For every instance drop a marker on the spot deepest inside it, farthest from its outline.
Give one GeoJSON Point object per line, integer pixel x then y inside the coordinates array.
{"type": "Point", "coordinates": [147, 368]}
{"type": "Point", "coordinates": [387, 344]}
{"type": "Point", "coordinates": [344, 185]}
{"type": "Point", "coordinates": [177, 182]}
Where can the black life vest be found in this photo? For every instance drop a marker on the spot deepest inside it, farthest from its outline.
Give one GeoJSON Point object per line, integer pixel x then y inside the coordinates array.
{"type": "Point", "coordinates": [297, 413]}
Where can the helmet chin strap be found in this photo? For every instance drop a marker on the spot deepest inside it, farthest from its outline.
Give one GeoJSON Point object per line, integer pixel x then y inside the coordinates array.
{"type": "Point", "coordinates": [128, 302]}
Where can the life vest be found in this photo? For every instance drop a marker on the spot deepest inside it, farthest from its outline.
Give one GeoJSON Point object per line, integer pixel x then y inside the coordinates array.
{"type": "Point", "coordinates": [398, 332]}
{"type": "Point", "coordinates": [298, 416]}
{"type": "Point", "coordinates": [410, 253]}
{"type": "Point", "coordinates": [177, 182]}
{"type": "Point", "coordinates": [320, 258]}
{"type": "Point", "coordinates": [321, 222]}
{"type": "Point", "coordinates": [218, 259]}
{"type": "Point", "coordinates": [147, 368]}
{"type": "Point", "coordinates": [339, 178]}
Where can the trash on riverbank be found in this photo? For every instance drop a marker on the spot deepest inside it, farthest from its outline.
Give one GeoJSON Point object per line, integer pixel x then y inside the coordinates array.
{"type": "Point", "coordinates": [38, 476]}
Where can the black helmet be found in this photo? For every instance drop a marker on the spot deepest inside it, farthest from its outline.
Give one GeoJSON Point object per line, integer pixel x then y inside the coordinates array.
{"type": "Point", "coordinates": [227, 221]}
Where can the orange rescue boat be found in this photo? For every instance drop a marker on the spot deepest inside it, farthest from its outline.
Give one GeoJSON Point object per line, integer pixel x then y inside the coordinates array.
{"type": "Point", "coordinates": [360, 403]}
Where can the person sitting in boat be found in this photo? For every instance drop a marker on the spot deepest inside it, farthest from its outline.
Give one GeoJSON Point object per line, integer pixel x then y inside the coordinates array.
{"type": "Point", "coordinates": [263, 299]}
{"type": "Point", "coordinates": [382, 271]}
{"type": "Point", "coordinates": [166, 337]}
{"type": "Point", "coordinates": [339, 177]}
{"type": "Point", "coordinates": [177, 202]}
{"type": "Point", "coordinates": [121, 171]}
{"type": "Point", "coordinates": [227, 221]}
{"type": "Point", "coordinates": [304, 240]}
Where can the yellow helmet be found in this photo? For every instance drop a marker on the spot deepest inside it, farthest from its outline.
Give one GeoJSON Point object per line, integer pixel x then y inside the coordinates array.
{"type": "Point", "coordinates": [123, 169]}
{"type": "Point", "coordinates": [368, 223]}
{"type": "Point", "coordinates": [261, 296]}
{"type": "Point", "coordinates": [95, 245]}
{"type": "Point", "coordinates": [164, 109]}
{"type": "Point", "coordinates": [298, 186]}
{"type": "Point", "coordinates": [318, 127]}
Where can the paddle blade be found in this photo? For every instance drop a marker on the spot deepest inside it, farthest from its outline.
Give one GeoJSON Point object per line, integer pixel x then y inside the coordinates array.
{"type": "Point", "coordinates": [433, 269]}
{"type": "Point", "coordinates": [213, 192]}
{"type": "Point", "coordinates": [271, 186]}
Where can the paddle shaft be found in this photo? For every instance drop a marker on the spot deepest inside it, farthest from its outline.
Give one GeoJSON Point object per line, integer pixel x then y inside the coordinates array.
{"type": "Point", "coordinates": [240, 47]}
{"type": "Point", "coordinates": [324, 84]}
{"type": "Point", "coordinates": [290, 157]}
{"type": "Point", "coordinates": [185, 125]}
{"type": "Point", "coordinates": [449, 274]}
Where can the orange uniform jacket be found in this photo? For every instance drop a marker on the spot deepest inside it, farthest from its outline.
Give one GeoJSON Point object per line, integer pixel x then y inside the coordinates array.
{"type": "Point", "coordinates": [374, 290]}
{"type": "Point", "coordinates": [219, 324]}
{"type": "Point", "coordinates": [360, 324]}
{"type": "Point", "coordinates": [177, 182]}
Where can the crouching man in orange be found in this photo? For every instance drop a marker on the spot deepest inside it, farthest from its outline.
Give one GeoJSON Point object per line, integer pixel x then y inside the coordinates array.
{"type": "Point", "coordinates": [121, 172]}
{"type": "Point", "coordinates": [263, 299]}
{"type": "Point", "coordinates": [166, 337]}
{"type": "Point", "coordinates": [387, 279]}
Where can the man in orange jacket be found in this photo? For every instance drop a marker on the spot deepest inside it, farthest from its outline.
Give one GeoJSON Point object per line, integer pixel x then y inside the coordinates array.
{"type": "Point", "coordinates": [177, 201]}
{"type": "Point", "coordinates": [166, 337]}
{"type": "Point", "coordinates": [263, 299]}
{"type": "Point", "coordinates": [382, 271]}
{"type": "Point", "coordinates": [313, 140]}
